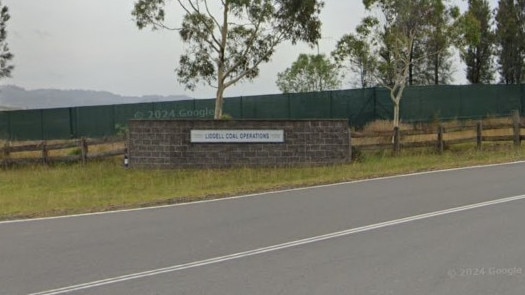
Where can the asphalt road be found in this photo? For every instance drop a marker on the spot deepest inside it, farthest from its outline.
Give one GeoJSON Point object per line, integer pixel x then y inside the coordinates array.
{"type": "Point", "coordinates": [341, 239]}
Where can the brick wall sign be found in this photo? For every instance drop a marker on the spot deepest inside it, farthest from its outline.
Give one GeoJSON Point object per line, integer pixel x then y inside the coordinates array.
{"type": "Point", "coordinates": [201, 144]}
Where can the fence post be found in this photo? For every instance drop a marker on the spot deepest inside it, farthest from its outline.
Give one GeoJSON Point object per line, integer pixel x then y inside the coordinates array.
{"type": "Point", "coordinates": [6, 154]}
{"type": "Point", "coordinates": [479, 135]}
{"type": "Point", "coordinates": [45, 153]}
{"type": "Point", "coordinates": [397, 141]}
{"type": "Point", "coordinates": [516, 127]}
{"type": "Point", "coordinates": [350, 154]}
{"type": "Point", "coordinates": [83, 150]}
{"type": "Point", "coordinates": [440, 143]}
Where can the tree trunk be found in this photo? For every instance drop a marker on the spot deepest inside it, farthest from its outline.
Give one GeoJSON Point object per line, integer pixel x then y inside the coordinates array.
{"type": "Point", "coordinates": [396, 114]}
{"type": "Point", "coordinates": [219, 102]}
{"type": "Point", "coordinates": [436, 69]}
{"type": "Point", "coordinates": [219, 99]}
{"type": "Point", "coordinates": [411, 65]}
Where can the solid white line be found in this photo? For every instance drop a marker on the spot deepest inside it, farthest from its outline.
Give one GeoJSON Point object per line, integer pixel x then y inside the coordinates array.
{"type": "Point", "coordinates": [278, 247]}
{"type": "Point", "coordinates": [259, 194]}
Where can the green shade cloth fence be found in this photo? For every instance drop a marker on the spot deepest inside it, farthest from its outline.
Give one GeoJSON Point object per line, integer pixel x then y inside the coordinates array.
{"type": "Point", "coordinates": [358, 106]}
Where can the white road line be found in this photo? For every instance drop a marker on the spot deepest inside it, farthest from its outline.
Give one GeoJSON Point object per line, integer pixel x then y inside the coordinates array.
{"type": "Point", "coordinates": [278, 247]}
{"type": "Point", "coordinates": [260, 194]}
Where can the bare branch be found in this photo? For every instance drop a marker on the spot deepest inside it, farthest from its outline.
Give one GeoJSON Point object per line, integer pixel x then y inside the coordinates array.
{"type": "Point", "coordinates": [196, 9]}
{"type": "Point", "coordinates": [249, 46]}
{"type": "Point", "coordinates": [210, 14]}
{"type": "Point", "coordinates": [245, 72]}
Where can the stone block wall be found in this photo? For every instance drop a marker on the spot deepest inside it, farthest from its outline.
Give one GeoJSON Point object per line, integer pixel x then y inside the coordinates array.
{"type": "Point", "coordinates": [166, 144]}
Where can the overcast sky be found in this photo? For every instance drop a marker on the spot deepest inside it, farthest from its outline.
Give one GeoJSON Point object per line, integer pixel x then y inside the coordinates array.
{"type": "Point", "coordinates": [95, 45]}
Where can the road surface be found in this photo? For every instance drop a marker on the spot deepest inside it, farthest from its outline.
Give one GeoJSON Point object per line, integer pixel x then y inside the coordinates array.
{"type": "Point", "coordinates": [450, 232]}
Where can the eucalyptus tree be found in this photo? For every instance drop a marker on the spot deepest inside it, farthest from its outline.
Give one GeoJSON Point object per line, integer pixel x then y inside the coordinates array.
{"type": "Point", "coordinates": [309, 73]}
{"type": "Point", "coordinates": [478, 41]}
{"type": "Point", "coordinates": [510, 26]}
{"type": "Point", "coordinates": [354, 51]}
{"type": "Point", "coordinates": [398, 28]}
{"type": "Point", "coordinates": [436, 67]}
{"type": "Point", "coordinates": [5, 55]}
{"type": "Point", "coordinates": [228, 40]}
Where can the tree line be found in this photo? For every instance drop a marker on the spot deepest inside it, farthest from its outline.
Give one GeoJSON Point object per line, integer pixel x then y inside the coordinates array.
{"type": "Point", "coordinates": [412, 42]}
{"type": "Point", "coordinates": [423, 35]}
{"type": "Point", "coordinates": [397, 44]}
{"type": "Point", "coordinates": [490, 42]}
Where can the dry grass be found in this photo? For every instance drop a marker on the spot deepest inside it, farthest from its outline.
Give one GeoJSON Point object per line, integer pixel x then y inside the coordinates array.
{"type": "Point", "coordinates": [384, 126]}
{"type": "Point", "coordinates": [381, 132]}
{"type": "Point", "coordinates": [93, 149]}
{"type": "Point", "coordinates": [37, 191]}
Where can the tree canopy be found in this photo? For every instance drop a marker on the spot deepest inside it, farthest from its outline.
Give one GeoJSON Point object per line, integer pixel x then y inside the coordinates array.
{"type": "Point", "coordinates": [401, 42]}
{"type": "Point", "coordinates": [227, 41]}
{"type": "Point", "coordinates": [478, 42]}
{"type": "Point", "coordinates": [5, 55]}
{"type": "Point", "coordinates": [510, 32]}
{"type": "Point", "coordinates": [354, 51]}
{"type": "Point", "coordinates": [310, 73]}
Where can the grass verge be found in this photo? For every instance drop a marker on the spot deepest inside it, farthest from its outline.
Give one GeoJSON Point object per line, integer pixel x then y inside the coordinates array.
{"type": "Point", "coordinates": [39, 191]}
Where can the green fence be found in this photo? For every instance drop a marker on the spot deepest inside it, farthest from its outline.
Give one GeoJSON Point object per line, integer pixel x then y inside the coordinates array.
{"type": "Point", "coordinates": [358, 106]}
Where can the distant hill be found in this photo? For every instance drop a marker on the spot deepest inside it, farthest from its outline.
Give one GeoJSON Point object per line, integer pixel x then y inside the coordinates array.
{"type": "Point", "coordinates": [14, 97]}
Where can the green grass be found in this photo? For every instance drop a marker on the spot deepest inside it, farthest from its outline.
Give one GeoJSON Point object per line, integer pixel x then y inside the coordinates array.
{"type": "Point", "coordinates": [69, 189]}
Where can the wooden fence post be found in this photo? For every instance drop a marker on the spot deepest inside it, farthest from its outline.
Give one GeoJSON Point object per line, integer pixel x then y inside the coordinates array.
{"type": "Point", "coordinates": [479, 135]}
{"type": "Point", "coordinates": [6, 154]}
{"type": "Point", "coordinates": [516, 127]}
{"type": "Point", "coordinates": [83, 150]}
{"type": "Point", "coordinates": [350, 155]}
{"type": "Point", "coordinates": [397, 141]}
{"type": "Point", "coordinates": [45, 153]}
{"type": "Point", "coordinates": [441, 143]}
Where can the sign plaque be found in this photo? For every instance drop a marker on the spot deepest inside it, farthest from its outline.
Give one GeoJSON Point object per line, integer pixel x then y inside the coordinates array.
{"type": "Point", "coordinates": [237, 136]}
